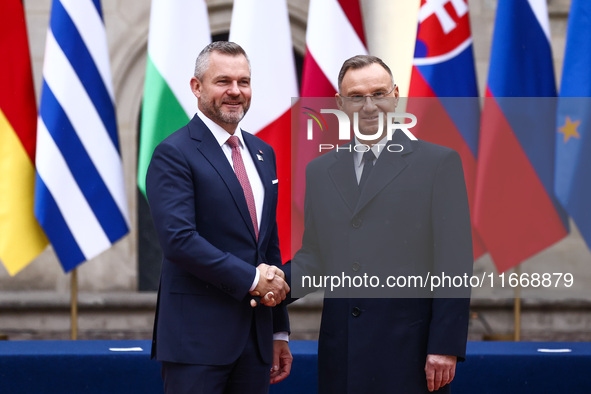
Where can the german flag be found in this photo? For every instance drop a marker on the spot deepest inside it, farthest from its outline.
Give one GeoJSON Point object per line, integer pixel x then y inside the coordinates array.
{"type": "Point", "coordinates": [21, 237]}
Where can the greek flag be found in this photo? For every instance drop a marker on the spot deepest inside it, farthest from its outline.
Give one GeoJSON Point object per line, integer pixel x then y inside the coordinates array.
{"type": "Point", "coordinates": [79, 192]}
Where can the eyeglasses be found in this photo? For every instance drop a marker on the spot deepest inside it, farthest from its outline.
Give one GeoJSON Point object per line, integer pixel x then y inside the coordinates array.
{"type": "Point", "coordinates": [375, 97]}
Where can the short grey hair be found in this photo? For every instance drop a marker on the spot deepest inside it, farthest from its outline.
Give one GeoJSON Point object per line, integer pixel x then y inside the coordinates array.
{"type": "Point", "coordinates": [361, 61]}
{"type": "Point", "coordinates": [223, 47]}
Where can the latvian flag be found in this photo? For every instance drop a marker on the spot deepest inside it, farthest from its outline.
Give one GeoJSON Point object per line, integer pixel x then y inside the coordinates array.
{"type": "Point", "coordinates": [334, 34]}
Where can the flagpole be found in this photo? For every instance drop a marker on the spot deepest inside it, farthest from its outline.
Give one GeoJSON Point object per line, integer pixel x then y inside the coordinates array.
{"type": "Point", "coordinates": [517, 307]}
{"type": "Point", "coordinates": [74, 304]}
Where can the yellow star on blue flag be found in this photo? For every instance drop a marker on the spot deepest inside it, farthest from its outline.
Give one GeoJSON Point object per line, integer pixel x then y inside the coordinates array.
{"type": "Point", "coordinates": [569, 129]}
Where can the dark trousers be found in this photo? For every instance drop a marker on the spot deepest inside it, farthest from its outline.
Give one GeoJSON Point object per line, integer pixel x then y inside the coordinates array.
{"type": "Point", "coordinates": [247, 375]}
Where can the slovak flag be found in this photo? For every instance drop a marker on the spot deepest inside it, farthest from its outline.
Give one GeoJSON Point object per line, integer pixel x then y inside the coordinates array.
{"type": "Point", "coordinates": [443, 89]}
{"type": "Point", "coordinates": [515, 212]}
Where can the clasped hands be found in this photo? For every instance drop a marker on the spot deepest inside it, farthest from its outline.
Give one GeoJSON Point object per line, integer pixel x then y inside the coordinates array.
{"type": "Point", "coordinates": [272, 287]}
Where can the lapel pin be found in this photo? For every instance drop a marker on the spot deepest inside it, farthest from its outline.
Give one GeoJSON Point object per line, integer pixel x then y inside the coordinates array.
{"type": "Point", "coordinates": [260, 155]}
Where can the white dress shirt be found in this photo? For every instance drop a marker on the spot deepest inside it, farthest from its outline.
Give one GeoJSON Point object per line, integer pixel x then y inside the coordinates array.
{"type": "Point", "coordinates": [256, 184]}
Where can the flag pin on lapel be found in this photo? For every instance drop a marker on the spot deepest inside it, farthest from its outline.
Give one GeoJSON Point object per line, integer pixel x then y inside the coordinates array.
{"type": "Point", "coordinates": [260, 155]}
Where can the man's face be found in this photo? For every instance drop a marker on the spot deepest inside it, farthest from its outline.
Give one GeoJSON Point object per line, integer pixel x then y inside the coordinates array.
{"type": "Point", "coordinates": [224, 90]}
{"type": "Point", "coordinates": [367, 81]}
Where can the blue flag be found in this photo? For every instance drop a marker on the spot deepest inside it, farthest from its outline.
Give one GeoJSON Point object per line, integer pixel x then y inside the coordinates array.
{"type": "Point", "coordinates": [79, 192]}
{"type": "Point", "coordinates": [573, 134]}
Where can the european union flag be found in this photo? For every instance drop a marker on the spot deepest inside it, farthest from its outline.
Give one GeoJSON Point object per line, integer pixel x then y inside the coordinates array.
{"type": "Point", "coordinates": [573, 135]}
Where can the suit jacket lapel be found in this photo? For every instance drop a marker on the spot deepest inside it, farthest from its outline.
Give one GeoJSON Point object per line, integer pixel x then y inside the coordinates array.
{"type": "Point", "coordinates": [342, 173]}
{"type": "Point", "coordinates": [387, 167]}
{"type": "Point", "coordinates": [211, 150]}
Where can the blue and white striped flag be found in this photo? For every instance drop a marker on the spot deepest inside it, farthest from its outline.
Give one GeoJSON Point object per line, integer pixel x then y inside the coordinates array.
{"type": "Point", "coordinates": [80, 196]}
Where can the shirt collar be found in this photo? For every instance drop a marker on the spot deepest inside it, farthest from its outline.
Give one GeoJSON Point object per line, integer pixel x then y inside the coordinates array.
{"type": "Point", "coordinates": [218, 131]}
{"type": "Point", "coordinates": [377, 148]}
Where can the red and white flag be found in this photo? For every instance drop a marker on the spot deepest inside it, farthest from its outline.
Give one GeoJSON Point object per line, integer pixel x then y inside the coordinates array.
{"type": "Point", "coordinates": [334, 34]}
{"type": "Point", "coordinates": [261, 27]}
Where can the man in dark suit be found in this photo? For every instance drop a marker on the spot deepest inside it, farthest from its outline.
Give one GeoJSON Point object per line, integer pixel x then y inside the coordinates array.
{"type": "Point", "coordinates": [377, 206]}
{"type": "Point", "coordinates": [212, 190]}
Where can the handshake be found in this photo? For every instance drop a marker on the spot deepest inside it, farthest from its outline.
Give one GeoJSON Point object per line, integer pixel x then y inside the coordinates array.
{"type": "Point", "coordinates": [272, 288]}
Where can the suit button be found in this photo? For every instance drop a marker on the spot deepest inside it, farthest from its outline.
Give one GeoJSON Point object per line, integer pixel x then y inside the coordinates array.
{"type": "Point", "coordinates": [356, 266]}
{"type": "Point", "coordinates": [356, 222]}
{"type": "Point", "coordinates": [356, 312]}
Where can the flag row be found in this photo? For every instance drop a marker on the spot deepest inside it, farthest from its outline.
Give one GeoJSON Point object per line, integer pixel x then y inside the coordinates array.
{"type": "Point", "coordinates": [523, 153]}
{"type": "Point", "coordinates": [61, 168]}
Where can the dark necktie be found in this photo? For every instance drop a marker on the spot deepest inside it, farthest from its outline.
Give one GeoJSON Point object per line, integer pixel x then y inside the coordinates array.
{"type": "Point", "coordinates": [368, 158]}
{"type": "Point", "coordinates": [242, 176]}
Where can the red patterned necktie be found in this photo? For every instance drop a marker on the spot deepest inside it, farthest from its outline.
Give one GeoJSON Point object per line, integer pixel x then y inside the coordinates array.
{"type": "Point", "coordinates": [240, 171]}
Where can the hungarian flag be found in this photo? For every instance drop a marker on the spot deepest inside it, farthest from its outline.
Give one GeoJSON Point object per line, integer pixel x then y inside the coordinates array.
{"type": "Point", "coordinates": [334, 34]}
{"type": "Point", "coordinates": [515, 212]}
{"type": "Point", "coordinates": [444, 90]}
{"type": "Point", "coordinates": [21, 237]}
{"type": "Point", "coordinates": [261, 27]}
{"type": "Point", "coordinates": [179, 30]}
{"type": "Point", "coordinates": [573, 131]}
